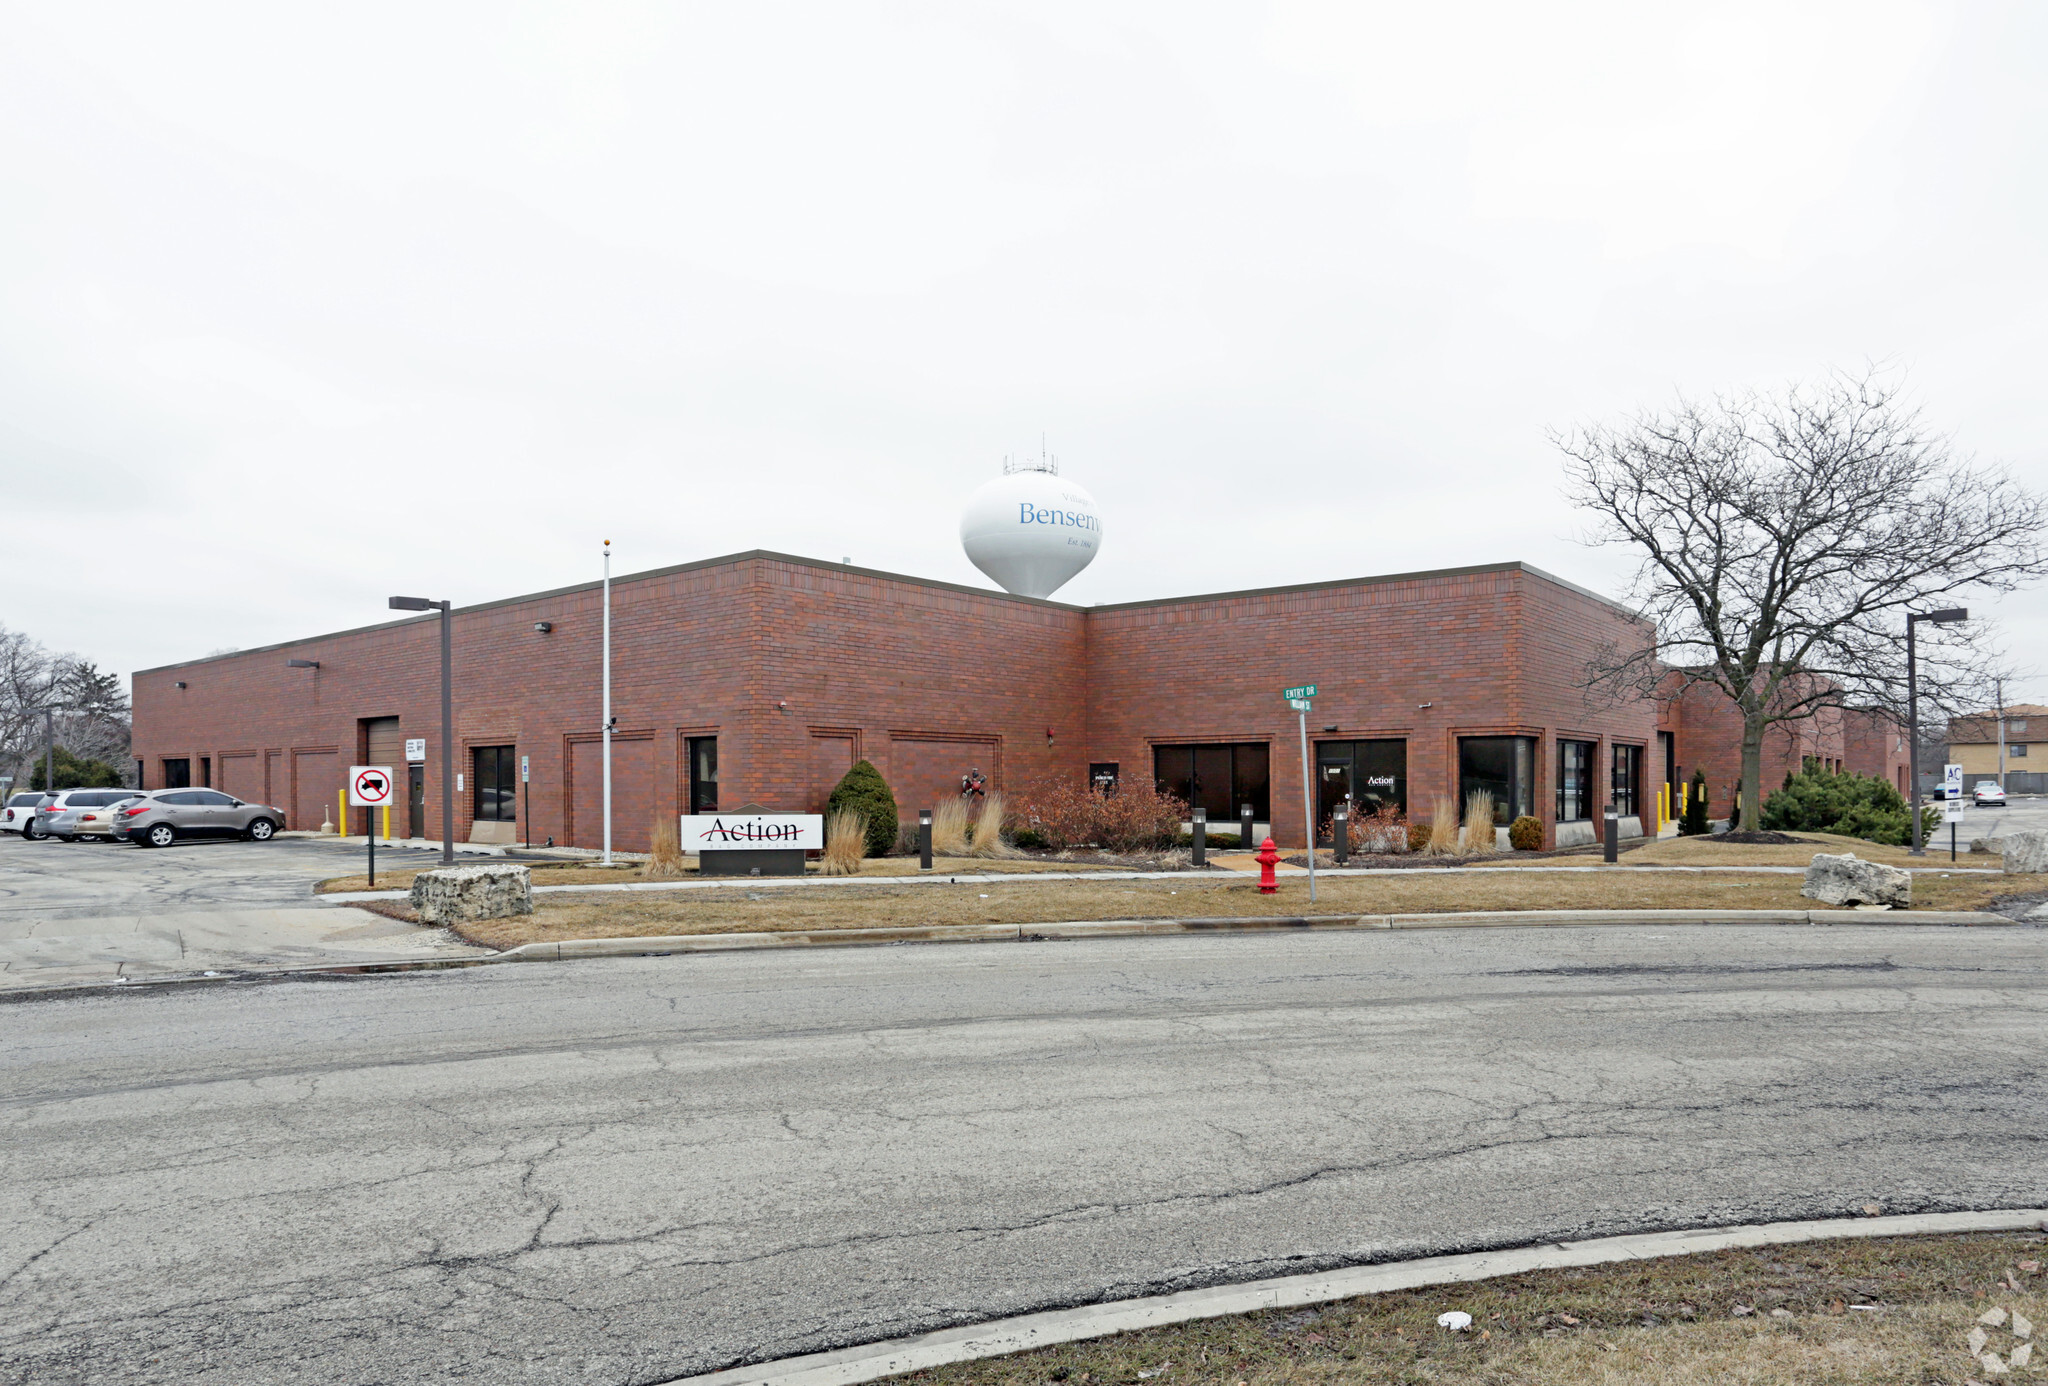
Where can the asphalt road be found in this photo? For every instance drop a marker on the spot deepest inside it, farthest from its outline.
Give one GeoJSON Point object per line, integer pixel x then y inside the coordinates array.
{"type": "Point", "coordinates": [628, 1170]}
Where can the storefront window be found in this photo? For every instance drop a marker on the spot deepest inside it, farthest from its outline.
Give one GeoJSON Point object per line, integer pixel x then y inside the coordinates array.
{"type": "Point", "coordinates": [1575, 780]}
{"type": "Point", "coordinates": [1628, 780]}
{"type": "Point", "coordinates": [1216, 778]}
{"type": "Point", "coordinates": [495, 786]}
{"type": "Point", "coordinates": [1503, 766]}
{"type": "Point", "coordinates": [177, 773]}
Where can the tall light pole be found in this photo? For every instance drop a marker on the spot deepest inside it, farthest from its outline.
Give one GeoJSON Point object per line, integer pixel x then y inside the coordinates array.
{"type": "Point", "coordinates": [447, 717]}
{"type": "Point", "coordinates": [1913, 618]}
{"type": "Point", "coordinates": [607, 702]}
{"type": "Point", "coordinates": [1998, 688]}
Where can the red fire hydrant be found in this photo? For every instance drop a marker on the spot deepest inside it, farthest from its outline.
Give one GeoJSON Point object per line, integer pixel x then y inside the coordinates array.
{"type": "Point", "coordinates": [1268, 858]}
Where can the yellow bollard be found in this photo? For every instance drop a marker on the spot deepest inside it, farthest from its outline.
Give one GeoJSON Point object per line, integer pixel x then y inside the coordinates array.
{"type": "Point", "coordinates": [387, 823]}
{"type": "Point", "coordinates": [341, 819]}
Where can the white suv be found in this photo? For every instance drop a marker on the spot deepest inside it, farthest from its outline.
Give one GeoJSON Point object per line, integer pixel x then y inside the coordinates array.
{"type": "Point", "coordinates": [19, 814]}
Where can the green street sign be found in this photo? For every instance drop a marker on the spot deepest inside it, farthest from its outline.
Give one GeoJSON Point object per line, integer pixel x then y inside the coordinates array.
{"type": "Point", "coordinates": [1295, 695]}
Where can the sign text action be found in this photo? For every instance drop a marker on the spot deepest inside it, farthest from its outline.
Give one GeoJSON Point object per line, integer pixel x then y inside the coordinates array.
{"type": "Point", "coordinates": [741, 832]}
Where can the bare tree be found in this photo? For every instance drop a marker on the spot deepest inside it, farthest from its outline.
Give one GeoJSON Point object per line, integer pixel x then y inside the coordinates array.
{"type": "Point", "coordinates": [1785, 537]}
{"type": "Point", "coordinates": [90, 713]}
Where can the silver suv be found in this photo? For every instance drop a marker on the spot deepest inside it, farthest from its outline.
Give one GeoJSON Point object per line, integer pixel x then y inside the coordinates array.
{"type": "Point", "coordinates": [59, 816]}
{"type": "Point", "coordinates": [162, 816]}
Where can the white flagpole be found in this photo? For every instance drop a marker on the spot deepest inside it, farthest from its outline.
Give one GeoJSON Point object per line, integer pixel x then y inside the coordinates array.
{"type": "Point", "coordinates": [607, 702]}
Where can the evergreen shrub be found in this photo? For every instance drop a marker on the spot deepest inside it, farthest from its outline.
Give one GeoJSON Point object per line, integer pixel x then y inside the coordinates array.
{"type": "Point", "coordinates": [1525, 834]}
{"type": "Point", "coordinates": [862, 790]}
{"type": "Point", "coordinates": [1843, 803]}
{"type": "Point", "coordinates": [1694, 823]}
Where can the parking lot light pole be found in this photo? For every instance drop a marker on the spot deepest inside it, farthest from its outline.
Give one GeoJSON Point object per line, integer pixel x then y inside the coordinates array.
{"type": "Point", "coordinates": [447, 717]}
{"type": "Point", "coordinates": [1944, 617]}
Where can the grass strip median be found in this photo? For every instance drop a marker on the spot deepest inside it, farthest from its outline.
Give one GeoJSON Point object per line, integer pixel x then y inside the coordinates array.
{"type": "Point", "coordinates": [559, 917]}
{"type": "Point", "coordinates": [1929, 1309]}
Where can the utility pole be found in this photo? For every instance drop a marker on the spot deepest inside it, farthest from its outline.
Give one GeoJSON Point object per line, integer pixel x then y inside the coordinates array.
{"type": "Point", "coordinates": [1913, 618]}
{"type": "Point", "coordinates": [607, 702]}
{"type": "Point", "coordinates": [1998, 686]}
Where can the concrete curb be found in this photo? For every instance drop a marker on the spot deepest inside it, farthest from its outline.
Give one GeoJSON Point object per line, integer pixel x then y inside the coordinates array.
{"type": "Point", "coordinates": [1293, 875]}
{"type": "Point", "coordinates": [1125, 928]}
{"type": "Point", "coordinates": [871, 1361]}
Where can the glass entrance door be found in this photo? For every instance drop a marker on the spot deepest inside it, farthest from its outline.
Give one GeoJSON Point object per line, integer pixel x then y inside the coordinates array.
{"type": "Point", "coordinates": [1371, 775]}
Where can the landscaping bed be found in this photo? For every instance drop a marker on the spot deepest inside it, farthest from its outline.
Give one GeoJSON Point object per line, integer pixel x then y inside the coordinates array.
{"type": "Point", "coordinates": [1878, 1310]}
{"type": "Point", "coordinates": [972, 900]}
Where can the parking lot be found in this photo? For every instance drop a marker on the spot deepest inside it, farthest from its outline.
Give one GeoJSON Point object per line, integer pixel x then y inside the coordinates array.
{"type": "Point", "coordinates": [94, 911]}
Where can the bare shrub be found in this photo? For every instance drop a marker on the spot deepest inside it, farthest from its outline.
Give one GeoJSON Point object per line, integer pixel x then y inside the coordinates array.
{"type": "Point", "coordinates": [665, 859]}
{"type": "Point", "coordinates": [846, 842]}
{"type": "Point", "coordinates": [986, 839]}
{"type": "Point", "coordinates": [1136, 818]}
{"type": "Point", "coordinates": [1381, 832]}
{"type": "Point", "coordinates": [1443, 827]}
{"type": "Point", "coordinates": [949, 828]}
{"type": "Point", "coordinates": [1479, 837]}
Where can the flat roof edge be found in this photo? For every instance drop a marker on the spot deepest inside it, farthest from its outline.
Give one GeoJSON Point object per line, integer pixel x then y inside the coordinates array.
{"type": "Point", "coordinates": [1423, 575]}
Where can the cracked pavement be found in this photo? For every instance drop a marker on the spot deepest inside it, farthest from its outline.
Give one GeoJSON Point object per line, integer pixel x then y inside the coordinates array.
{"type": "Point", "coordinates": [630, 1170]}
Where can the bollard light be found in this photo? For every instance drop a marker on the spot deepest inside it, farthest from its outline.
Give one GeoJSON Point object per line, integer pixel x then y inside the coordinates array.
{"type": "Point", "coordinates": [924, 839]}
{"type": "Point", "coordinates": [1200, 835]}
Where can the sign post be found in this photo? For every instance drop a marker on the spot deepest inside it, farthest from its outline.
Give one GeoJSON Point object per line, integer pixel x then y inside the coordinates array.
{"type": "Point", "coordinates": [526, 788]}
{"type": "Point", "coordinates": [1300, 699]}
{"type": "Point", "coordinates": [1952, 814]}
{"type": "Point", "coordinates": [369, 787]}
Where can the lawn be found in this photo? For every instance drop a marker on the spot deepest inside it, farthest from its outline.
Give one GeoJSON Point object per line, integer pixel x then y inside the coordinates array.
{"type": "Point", "coordinates": [970, 901]}
{"type": "Point", "coordinates": [577, 872]}
{"type": "Point", "coordinates": [1879, 1310]}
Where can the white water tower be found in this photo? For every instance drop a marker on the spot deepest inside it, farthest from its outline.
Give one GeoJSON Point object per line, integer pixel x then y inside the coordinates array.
{"type": "Point", "coordinates": [1030, 530]}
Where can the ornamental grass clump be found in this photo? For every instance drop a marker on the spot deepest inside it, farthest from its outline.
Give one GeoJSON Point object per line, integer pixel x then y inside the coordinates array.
{"type": "Point", "coordinates": [1443, 828]}
{"type": "Point", "coordinates": [846, 843]}
{"type": "Point", "coordinates": [985, 839]}
{"type": "Point", "coordinates": [949, 828]}
{"type": "Point", "coordinates": [862, 790]}
{"type": "Point", "coordinates": [665, 860]}
{"type": "Point", "coordinates": [1479, 838]}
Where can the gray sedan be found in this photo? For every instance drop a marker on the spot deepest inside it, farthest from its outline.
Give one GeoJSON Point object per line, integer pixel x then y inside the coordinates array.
{"type": "Point", "coordinates": [163, 816]}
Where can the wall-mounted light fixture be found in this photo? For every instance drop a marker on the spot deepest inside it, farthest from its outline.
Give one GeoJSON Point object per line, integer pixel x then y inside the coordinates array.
{"type": "Point", "coordinates": [302, 664]}
{"type": "Point", "coordinates": [1332, 727]}
{"type": "Point", "coordinates": [1420, 706]}
{"type": "Point", "coordinates": [179, 684]}
{"type": "Point", "coordinates": [1048, 736]}
{"type": "Point", "coordinates": [543, 626]}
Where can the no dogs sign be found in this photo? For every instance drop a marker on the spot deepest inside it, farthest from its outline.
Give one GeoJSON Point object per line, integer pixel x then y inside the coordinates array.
{"type": "Point", "coordinates": [369, 786]}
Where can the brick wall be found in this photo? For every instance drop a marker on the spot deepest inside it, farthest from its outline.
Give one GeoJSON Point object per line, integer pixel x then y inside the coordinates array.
{"type": "Point", "coordinates": [800, 667]}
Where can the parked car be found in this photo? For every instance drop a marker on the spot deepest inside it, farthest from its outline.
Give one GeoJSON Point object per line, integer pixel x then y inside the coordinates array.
{"type": "Point", "coordinates": [1988, 795]}
{"type": "Point", "coordinates": [19, 813]}
{"type": "Point", "coordinates": [58, 817]}
{"type": "Point", "coordinates": [163, 816]}
{"type": "Point", "coordinates": [97, 822]}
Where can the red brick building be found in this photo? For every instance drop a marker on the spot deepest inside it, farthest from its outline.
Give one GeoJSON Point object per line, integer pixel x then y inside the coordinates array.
{"type": "Point", "coordinates": [760, 678]}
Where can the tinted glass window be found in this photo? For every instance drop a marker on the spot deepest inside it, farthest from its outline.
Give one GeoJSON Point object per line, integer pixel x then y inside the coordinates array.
{"type": "Point", "coordinates": [703, 774]}
{"type": "Point", "coordinates": [24, 800]}
{"type": "Point", "coordinates": [187, 799]}
{"type": "Point", "coordinates": [214, 799]}
{"type": "Point", "coordinates": [496, 784]}
{"type": "Point", "coordinates": [177, 773]}
{"type": "Point", "coordinates": [1218, 778]}
{"type": "Point", "coordinates": [1503, 766]}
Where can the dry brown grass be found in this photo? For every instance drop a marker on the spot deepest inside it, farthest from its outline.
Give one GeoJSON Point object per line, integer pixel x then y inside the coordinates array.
{"type": "Point", "coordinates": [1704, 851]}
{"type": "Point", "coordinates": [665, 859]}
{"type": "Point", "coordinates": [581, 873]}
{"type": "Point", "coordinates": [1477, 838]}
{"type": "Point", "coordinates": [975, 900]}
{"type": "Point", "coordinates": [949, 828]}
{"type": "Point", "coordinates": [1671, 1322]}
{"type": "Point", "coordinates": [846, 843]}
{"type": "Point", "coordinates": [1443, 828]}
{"type": "Point", "coordinates": [986, 839]}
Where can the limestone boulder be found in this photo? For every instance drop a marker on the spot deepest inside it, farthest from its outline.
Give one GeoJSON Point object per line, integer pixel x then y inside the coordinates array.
{"type": "Point", "coordinates": [458, 894]}
{"type": "Point", "coordinates": [1849, 880]}
{"type": "Point", "coordinates": [2025, 852]}
{"type": "Point", "coordinates": [1993, 845]}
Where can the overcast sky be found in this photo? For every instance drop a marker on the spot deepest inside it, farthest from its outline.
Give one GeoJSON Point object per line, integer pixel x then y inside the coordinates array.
{"type": "Point", "coordinates": [308, 305]}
